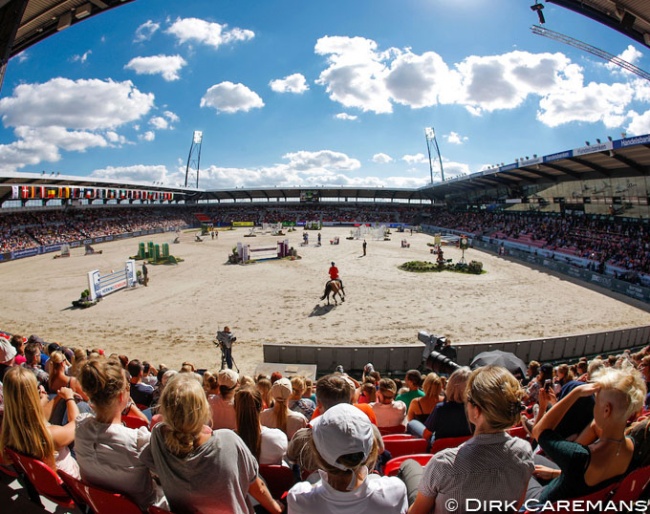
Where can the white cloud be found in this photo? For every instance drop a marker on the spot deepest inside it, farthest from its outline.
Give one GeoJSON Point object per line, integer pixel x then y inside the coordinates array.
{"type": "Point", "coordinates": [149, 135]}
{"type": "Point", "coordinates": [68, 115]}
{"type": "Point", "coordinates": [590, 103]}
{"type": "Point", "coordinates": [359, 75]}
{"type": "Point", "coordinates": [345, 116]}
{"type": "Point", "coordinates": [145, 31]}
{"type": "Point", "coordinates": [81, 58]}
{"type": "Point", "coordinates": [303, 160]}
{"type": "Point", "coordinates": [630, 55]}
{"type": "Point", "coordinates": [207, 33]}
{"type": "Point", "coordinates": [137, 173]}
{"type": "Point", "coordinates": [381, 158]}
{"type": "Point", "coordinates": [82, 104]}
{"type": "Point", "coordinates": [230, 98]}
{"type": "Point", "coordinates": [418, 158]}
{"type": "Point", "coordinates": [295, 83]}
{"type": "Point", "coordinates": [166, 65]}
{"type": "Point", "coordinates": [172, 117]}
{"type": "Point", "coordinates": [159, 123]}
{"type": "Point", "coordinates": [455, 138]}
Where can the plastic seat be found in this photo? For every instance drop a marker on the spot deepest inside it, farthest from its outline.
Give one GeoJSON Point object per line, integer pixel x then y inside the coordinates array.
{"type": "Point", "coordinates": [392, 466]}
{"type": "Point", "coordinates": [99, 500]}
{"type": "Point", "coordinates": [134, 422]}
{"type": "Point", "coordinates": [396, 429]}
{"type": "Point", "coordinates": [279, 479]}
{"type": "Point", "coordinates": [397, 437]}
{"type": "Point", "coordinates": [631, 487]}
{"type": "Point", "coordinates": [448, 442]}
{"type": "Point", "coordinates": [401, 447]}
{"type": "Point", "coordinates": [42, 478]}
{"type": "Point", "coordinates": [602, 495]}
{"type": "Point", "coordinates": [157, 510]}
{"type": "Point", "coordinates": [518, 431]}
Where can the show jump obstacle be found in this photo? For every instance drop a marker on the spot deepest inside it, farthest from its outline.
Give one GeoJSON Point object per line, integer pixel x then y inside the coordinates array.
{"type": "Point", "coordinates": [248, 253]}
{"type": "Point", "coordinates": [102, 285]}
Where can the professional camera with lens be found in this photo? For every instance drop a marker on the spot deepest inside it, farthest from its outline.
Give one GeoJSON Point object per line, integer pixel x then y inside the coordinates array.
{"type": "Point", "coordinates": [438, 355]}
{"type": "Point", "coordinates": [225, 338]}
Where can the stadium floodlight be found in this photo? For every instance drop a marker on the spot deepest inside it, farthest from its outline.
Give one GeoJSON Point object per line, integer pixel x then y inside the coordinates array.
{"type": "Point", "coordinates": [430, 136]}
{"type": "Point", "coordinates": [537, 7]}
{"type": "Point", "coordinates": [198, 137]}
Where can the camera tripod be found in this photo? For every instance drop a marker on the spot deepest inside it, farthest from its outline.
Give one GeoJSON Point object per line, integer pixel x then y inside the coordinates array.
{"type": "Point", "coordinates": [224, 362]}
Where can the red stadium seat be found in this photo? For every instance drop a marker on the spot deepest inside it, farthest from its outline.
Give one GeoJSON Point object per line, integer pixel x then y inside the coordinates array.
{"type": "Point", "coordinates": [631, 487]}
{"type": "Point", "coordinates": [279, 479]}
{"type": "Point", "coordinates": [44, 479]}
{"type": "Point", "coordinates": [396, 429]}
{"type": "Point", "coordinates": [397, 437]}
{"type": "Point", "coordinates": [400, 447]}
{"type": "Point", "coordinates": [392, 466]}
{"type": "Point", "coordinates": [101, 501]}
{"type": "Point", "coordinates": [448, 442]}
{"type": "Point", "coordinates": [134, 421]}
{"type": "Point", "coordinates": [518, 431]}
{"type": "Point", "coordinates": [601, 495]}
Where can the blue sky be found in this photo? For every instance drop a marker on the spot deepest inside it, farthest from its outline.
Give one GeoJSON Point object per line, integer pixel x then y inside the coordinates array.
{"type": "Point", "coordinates": [302, 92]}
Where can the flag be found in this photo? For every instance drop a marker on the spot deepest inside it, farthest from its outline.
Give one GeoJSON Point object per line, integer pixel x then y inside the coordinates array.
{"type": "Point", "coordinates": [15, 192]}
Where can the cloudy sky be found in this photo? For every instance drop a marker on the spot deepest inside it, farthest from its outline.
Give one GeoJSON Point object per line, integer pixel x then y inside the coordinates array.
{"type": "Point", "coordinates": [305, 92]}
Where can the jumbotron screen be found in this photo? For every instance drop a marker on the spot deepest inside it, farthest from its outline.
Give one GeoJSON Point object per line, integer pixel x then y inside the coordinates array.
{"type": "Point", "coordinates": [309, 196]}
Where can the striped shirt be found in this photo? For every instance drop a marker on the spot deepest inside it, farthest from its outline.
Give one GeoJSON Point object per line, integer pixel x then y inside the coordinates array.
{"type": "Point", "coordinates": [487, 467]}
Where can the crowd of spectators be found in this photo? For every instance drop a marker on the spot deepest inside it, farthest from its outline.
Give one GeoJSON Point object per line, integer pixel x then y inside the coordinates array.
{"type": "Point", "coordinates": [214, 429]}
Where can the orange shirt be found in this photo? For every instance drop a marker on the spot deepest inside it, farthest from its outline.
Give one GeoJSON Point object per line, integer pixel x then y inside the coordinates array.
{"type": "Point", "coordinates": [363, 407]}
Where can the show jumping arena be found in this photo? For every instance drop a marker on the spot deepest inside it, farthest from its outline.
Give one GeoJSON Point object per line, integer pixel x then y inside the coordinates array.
{"type": "Point", "coordinates": [176, 317]}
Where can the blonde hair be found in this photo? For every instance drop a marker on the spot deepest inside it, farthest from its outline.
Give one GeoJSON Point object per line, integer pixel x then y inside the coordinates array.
{"type": "Point", "coordinates": [103, 380]}
{"type": "Point", "coordinates": [625, 389]}
{"type": "Point", "coordinates": [432, 385]}
{"type": "Point", "coordinates": [498, 394]}
{"type": "Point", "coordinates": [24, 426]}
{"type": "Point", "coordinates": [264, 387]}
{"type": "Point", "coordinates": [455, 388]}
{"type": "Point", "coordinates": [248, 405]}
{"type": "Point", "coordinates": [298, 385]}
{"type": "Point", "coordinates": [185, 409]}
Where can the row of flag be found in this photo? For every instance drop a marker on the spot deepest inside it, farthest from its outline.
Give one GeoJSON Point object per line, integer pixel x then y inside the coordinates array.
{"type": "Point", "coordinates": [90, 193]}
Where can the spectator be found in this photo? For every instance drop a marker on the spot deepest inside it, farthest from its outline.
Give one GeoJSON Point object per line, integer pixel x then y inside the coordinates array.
{"type": "Point", "coordinates": [149, 374]}
{"type": "Point", "coordinates": [390, 413]}
{"type": "Point", "coordinates": [108, 452]}
{"type": "Point", "coordinates": [7, 357]}
{"type": "Point", "coordinates": [296, 401]}
{"type": "Point", "coordinates": [492, 465]}
{"type": "Point", "coordinates": [268, 445]}
{"type": "Point", "coordinates": [218, 465]}
{"type": "Point", "coordinates": [264, 387]}
{"type": "Point", "coordinates": [422, 407]}
{"type": "Point", "coordinates": [449, 418]}
{"type": "Point", "coordinates": [18, 342]}
{"type": "Point", "coordinates": [345, 448]}
{"type": "Point", "coordinates": [32, 363]}
{"type": "Point", "coordinates": [25, 427]}
{"type": "Point", "coordinates": [141, 393]}
{"type": "Point", "coordinates": [223, 404]}
{"type": "Point", "coordinates": [588, 468]}
{"type": "Point", "coordinates": [279, 416]}
{"type": "Point", "coordinates": [59, 379]}
{"type": "Point", "coordinates": [413, 381]}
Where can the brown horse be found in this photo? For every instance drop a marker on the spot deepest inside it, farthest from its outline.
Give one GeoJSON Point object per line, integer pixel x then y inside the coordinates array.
{"type": "Point", "coordinates": [335, 288]}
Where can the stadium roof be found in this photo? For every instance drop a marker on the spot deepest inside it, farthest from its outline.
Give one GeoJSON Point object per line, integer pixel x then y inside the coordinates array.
{"type": "Point", "coordinates": [627, 157]}
{"type": "Point", "coordinates": [630, 17]}
{"type": "Point", "coordinates": [26, 22]}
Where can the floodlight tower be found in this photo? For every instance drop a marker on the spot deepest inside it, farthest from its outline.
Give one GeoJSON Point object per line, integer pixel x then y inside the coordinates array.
{"type": "Point", "coordinates": [432, 142]}
{"type": "Point", "coordinates": [194, 157]}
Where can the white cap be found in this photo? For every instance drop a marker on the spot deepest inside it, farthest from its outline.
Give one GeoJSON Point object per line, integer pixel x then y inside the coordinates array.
{"type": "Point", "coordinates": [7, 351]}
{"type": "Point", "coordinates": [227, 378]}
{"type": "Point", "coordinates": [281, 389]}
{"type": "Point", "coordinates": [342, 430]}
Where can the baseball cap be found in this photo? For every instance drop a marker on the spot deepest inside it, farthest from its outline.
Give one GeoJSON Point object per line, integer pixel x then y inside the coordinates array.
{"type": "Point", "coordinates": [228, 378]}
{"type": "Point", "coordinates": [7, 352]}
{"type": "Point", "coordinates": [281, 389]}
{"type": "Point", "coordinates": [342, 430]}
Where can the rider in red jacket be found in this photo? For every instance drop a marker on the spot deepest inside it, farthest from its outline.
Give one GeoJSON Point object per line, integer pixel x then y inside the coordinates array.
{"type": "Point", "coordinates": [334, 275]}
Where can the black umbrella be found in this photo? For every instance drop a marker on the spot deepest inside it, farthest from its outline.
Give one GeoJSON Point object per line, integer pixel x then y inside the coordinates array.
{"type": "Point", "coordinates": [506, 360]}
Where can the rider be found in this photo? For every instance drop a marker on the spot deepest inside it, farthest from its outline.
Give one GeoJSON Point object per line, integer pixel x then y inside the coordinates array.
{"type": "Point", "coordinates": [334, 275]}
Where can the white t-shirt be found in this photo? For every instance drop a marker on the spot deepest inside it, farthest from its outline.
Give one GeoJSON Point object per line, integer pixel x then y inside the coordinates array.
{"type": "Point", "coordinates": [274, 446]}
{"type": "Point", "coordinates": [376, 495]}
{"type": "Point", "coordinates": [390, 414]}
{"type": "Point", "coordinates": [295, 421]}
{"type": "Point", "coordinates": [109, 457]}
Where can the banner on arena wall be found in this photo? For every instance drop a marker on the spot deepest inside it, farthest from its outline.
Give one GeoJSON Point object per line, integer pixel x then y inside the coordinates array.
{"type": "Point", "coordinates": [243, 223]}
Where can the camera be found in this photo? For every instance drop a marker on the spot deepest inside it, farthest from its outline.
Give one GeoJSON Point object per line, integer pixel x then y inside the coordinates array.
{"type": "Point", "coordinates": [440, 363]}
{"type": "Point", "coordinates": [225, 338]}
{"type": "Point", "coordinates": [438, 344]}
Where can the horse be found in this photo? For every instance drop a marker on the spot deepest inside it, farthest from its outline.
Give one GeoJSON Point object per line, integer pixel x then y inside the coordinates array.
{"type": "Point", "coordinates": [334, 287]}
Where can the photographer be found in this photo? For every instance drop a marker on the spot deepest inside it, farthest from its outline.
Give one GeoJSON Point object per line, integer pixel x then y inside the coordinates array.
{"type": "Point", "coordinates": [226, 339]}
